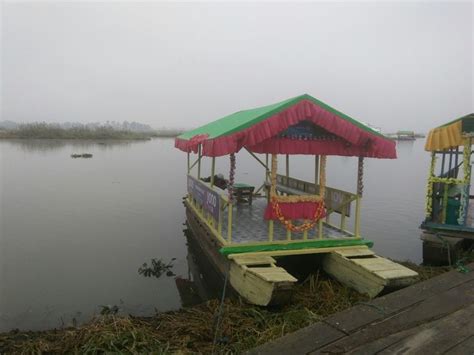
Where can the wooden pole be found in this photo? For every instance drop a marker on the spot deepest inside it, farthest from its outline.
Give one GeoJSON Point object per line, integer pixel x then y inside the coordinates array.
{"type": "Point", "coordinates": [357, 218]}
{"type": "Point", "coordinates": [316, 171]}
{"type": "Point", "coordinates": [272, 193]}
{"type": "Point", "coordinates": [266, 167]}
{"type": "Point", "coordinates": [287, 169]}
{"type": "Point", "coordinates": [229, 223]}
{"type": "Point", "coordinates": [360, 191]}
{"type": "Point", "coordinates": [343, 220]}
{"type": "Point", "coordinates": [219, 222]}
{"type": "Point", "coordinates": [270, 230]}
{"type": "Point", "coordinates": [199, 162]}
{"type": "Point", "coordinates": [213, 170]}
{"type": "Point", "coordinates": [316, 180]}
{"type": "Point", "coordinates": [189, 162]}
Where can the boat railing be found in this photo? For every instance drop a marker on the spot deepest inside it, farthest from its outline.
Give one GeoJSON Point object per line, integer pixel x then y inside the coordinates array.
{"type": "Point", "coordinates": [210, 203]}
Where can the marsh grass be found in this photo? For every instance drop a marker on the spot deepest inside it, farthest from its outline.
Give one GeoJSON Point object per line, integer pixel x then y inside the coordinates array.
{"type": "Point", "coordinates": [192, 330]}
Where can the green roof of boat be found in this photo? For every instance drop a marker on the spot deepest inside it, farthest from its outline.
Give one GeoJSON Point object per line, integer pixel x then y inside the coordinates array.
{"type": "Point", "coordinates": [241, 120]}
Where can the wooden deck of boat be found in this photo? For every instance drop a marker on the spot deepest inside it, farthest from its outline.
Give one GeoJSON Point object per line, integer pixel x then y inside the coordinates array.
{"type": "Point", "coordinates": [248, 225]}
{"type": "Point", "coordinates": [432, 317]}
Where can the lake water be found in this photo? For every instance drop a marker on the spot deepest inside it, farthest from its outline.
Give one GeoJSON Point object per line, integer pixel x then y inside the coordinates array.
{"type": "Point", "coordinates": [74, 232]}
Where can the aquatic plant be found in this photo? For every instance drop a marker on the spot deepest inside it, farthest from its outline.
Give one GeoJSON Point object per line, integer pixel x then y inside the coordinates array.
{"type": "Point", "coordinates": [157, 268]}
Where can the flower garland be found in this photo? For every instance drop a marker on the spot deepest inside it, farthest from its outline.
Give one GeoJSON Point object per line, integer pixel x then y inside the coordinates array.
{"type": "Point", "coordinates": [467, 181]}
{"type": "Point", "coordinates": [448, 181]}
{"type": "Point", "coordinates": [429, 188]}
{"type": "Point", "coordinates": [360, 176]}
{"type": "Point", "coordinates": [319, 200]}
{"type": "Point", "coordinates": [230, 187]}
{"type": "Point", "coordinates": [305, 225]}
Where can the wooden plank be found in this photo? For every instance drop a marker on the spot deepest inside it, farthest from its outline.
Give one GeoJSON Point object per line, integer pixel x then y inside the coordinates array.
{"type": "Point", "coordinates": [439, 336]}
{"type": "Point", "coordinates": [348, 273]}
{"type": "Point", "coordinates": [385, 268]}
{"type": "Point", "coordinates": [300, 342]}
{"type": "Point", "coordinates": [272, 274]}
{"type": "Point", "coordinates": [359, 251]}
{"type": "Point", "coordinates": [250, 286]}
{"type": "Point", "coordinates": [385, 321]}
{"type": "Point", "coordinates": [403, 299]}
{"type": "Point", "coordinates": [378, 346]}
{"type": "Point", "coordinates": [243, 259]}
{"type": "Point", "coordinates": [368, 275]}
{"type": "Point", "coordinates": [464, 347]}
{"type": "Point", "coordinates": [396, 274]}
{"type": "Point", "coordinates": [353, 319]}
{"type": "Point", "coordinates": [433, 308]}
{"type": "Point", "coordinates": [377, 264]}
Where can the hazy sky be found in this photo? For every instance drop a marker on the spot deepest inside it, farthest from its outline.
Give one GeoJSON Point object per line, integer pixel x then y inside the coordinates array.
{"type": "Point", "coordinates": [397, 65]}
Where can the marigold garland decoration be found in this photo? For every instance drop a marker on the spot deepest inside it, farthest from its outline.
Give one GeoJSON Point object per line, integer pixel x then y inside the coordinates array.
{"type": "Point", "coordinates": [230, 187]}
{"type": "Point", "coordinates": [467, 181]}
{"type": "Point", "coordinates": [318, 200]}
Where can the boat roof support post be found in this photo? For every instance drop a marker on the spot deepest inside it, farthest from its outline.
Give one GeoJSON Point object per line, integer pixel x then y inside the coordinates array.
{"type": "Point", "coordinates": [287, 169]}
{"type": "Point", "coordinates": [266, 168]}
{"type": "Point", "coordinates": [463, 213]}
{"type": "Point", "coordinates": [213, 170]}
{"type": "Point", "coordinates": [199, 161]}
{"type": "Point", "coordinates": [316, 172]}
{"type": "Point", "coordinates": [360, 176]}
{"type": "Point", "coordinates": [189, 161]}
{"type": "Point", "coordinates": [429, 188]}
{"type": "Point", "coordinates": [360, 191]}
{"type": "Point", "coordinates": [316, 182]}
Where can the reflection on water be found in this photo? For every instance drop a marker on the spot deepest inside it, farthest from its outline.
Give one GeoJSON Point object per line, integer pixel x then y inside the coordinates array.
{"type": "Point", "coordinates": [73, 232]}
{"type": "Point", "coordinates": [203, 282]}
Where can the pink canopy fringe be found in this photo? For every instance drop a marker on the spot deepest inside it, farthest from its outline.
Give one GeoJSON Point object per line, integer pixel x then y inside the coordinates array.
{"type": "Point", "coordinates": [293, 210]}
{"type": "Point", "coordinates": [261, 137]}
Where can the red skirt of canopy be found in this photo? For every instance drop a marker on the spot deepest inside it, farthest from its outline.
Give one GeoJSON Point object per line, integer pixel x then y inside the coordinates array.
{"type": "Point", "coordinates": [263, 137]}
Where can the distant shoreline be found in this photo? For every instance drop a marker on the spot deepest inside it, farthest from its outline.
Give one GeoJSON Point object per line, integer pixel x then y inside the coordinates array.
{"type": "Point", "coordinates": [42, 131]}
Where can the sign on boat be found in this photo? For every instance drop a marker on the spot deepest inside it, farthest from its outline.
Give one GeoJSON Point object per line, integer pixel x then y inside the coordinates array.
{"type": "Point", "coordinates": [286, 218]}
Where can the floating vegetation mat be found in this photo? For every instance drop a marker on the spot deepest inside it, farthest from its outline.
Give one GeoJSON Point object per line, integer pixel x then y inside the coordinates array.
{"type": "Point", "coordinates": [193, 330]}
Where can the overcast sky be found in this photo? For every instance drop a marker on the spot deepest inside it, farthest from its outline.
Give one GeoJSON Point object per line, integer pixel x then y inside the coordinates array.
{"type": "Point", "coordinates": [399, 65]}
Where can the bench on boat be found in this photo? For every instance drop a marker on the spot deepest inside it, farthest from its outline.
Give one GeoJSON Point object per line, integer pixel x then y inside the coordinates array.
{"type": "Point", "coordinates": [243, 192]}
{"type": "Point", "coordinates": [336, 200]}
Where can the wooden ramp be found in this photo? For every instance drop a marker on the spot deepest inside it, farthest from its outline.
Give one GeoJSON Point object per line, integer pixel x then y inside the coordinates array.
{"type": "Point", "coordinates": [259, 280]}
{"type": "Point", "coordinates": [431, 317]}
{"type": "Point", "coordinates": [366, 272]}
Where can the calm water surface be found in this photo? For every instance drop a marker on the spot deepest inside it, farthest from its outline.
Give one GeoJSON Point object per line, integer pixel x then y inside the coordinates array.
{"type": "Point", "coordinates": [73, 232]}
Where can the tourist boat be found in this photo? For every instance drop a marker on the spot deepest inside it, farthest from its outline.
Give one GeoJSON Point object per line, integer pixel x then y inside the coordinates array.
{"type": "Point", "coordinates": [251, 235]}
{"type": "Point", "coordinates": [405, 136]}
{"type": "Point", "coordinates": [448, 199]}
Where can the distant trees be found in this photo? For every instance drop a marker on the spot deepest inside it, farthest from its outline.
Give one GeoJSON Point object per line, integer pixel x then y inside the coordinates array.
{"type": "Point", "coordinates": [75, 130]}
{"type": "Point", "coordinates": [55, 131]}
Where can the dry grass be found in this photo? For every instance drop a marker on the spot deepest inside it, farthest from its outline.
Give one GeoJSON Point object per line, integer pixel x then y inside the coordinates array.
{"type": "Point", "coordinates": [191, 330]}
